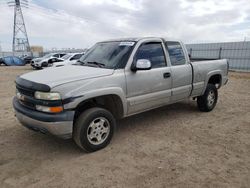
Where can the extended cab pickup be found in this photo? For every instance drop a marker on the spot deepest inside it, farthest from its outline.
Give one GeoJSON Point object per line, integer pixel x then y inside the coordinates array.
{"type": "Point", "coordinates": [115, 79]}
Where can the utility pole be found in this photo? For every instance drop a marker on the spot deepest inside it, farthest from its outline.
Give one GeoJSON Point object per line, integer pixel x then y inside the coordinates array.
{"type": "Point", "coordinates": [20, 41]}
{"type": "Point", "coordinates": [1, 54]}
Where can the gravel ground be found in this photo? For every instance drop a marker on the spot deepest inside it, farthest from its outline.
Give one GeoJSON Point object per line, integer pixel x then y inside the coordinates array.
{"type": "Point", "coordinates": [174, 146]}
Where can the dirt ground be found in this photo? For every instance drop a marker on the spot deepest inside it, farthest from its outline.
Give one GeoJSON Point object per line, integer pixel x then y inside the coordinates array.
{"type": "Point", "coordinates": [174, 146]}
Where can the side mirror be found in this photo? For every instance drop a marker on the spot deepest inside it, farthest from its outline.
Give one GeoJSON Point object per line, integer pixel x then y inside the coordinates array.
{"type": "Point", "coordinates": [141, 64]}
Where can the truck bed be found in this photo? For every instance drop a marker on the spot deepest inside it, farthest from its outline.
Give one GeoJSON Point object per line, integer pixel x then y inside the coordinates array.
{"type": "Point", "coordinates": [202, 71]}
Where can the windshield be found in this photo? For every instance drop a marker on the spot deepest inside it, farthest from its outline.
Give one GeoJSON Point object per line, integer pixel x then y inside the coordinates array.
{"type": "Point", "coordinates": [108, 54]}
{"type": "Point", "coordinates": [65, 57]}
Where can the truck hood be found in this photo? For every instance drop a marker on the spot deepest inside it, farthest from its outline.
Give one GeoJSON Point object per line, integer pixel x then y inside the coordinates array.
{"type": "Point", "coordinates": [60, 75]}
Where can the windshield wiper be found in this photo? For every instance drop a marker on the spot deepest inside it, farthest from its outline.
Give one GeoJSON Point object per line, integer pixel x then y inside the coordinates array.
{"type": "Point", "coordinates": [91, 63]}
{"type": "Point", "coordinates": [79, 62]}
{"type": "Point", "coordinates": [96, 63]}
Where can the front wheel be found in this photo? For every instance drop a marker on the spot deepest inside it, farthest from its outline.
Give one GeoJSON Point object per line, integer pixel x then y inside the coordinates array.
{"type": "Point", "coordinates": [44, 64]}
{"type": "Point", "coordinates": [207, 102]}
{"type": "Point", "coordinates": [93, 129]}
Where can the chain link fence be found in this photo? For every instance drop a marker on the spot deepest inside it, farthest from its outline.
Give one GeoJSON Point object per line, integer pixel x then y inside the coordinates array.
{"type": "Point", "coordinates": [237, 53]}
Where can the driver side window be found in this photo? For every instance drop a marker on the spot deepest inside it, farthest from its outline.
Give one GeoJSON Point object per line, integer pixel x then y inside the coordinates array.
{"type": "Point", "coordinates": [152, 51]}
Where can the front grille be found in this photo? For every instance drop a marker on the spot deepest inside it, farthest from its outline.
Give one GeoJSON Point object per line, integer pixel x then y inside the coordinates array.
{"type": "Point", "coordinates": [25, 91]}
{"type": "Point", "coordinates": [27, 104]}
{"type": "Point", "coordinates": [26, 95]}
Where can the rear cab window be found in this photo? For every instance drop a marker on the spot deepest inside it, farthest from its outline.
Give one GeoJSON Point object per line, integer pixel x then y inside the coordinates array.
{"type": "Point", "coordinates": [176, 53]}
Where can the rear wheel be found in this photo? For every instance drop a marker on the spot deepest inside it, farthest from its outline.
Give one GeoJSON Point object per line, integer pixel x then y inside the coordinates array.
{"type": "Point", "coordinates": [208, 101]}
{"type": "Point", "coordinates": [93, 129]}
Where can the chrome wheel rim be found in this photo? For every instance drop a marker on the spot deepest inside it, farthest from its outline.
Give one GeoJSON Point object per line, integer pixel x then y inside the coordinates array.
{"type": "Point", "coordinates": [211, 98]}
{"type": "Point", "coordinates": [98, 130]}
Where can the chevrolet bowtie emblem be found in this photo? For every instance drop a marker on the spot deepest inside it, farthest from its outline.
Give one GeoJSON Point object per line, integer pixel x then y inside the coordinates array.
{"type": "Point", "coordinates": [20, 96]}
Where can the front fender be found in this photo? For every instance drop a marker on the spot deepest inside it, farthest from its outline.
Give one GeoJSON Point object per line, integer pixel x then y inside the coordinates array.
{"type": "Point", "coordinates": [98, 93]}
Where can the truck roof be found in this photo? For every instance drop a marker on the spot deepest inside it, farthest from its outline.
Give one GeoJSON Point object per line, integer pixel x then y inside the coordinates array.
{"type": "Point", "coordinates": [136, 39]}
{"type": "Point", "coordinates": [123, 39]}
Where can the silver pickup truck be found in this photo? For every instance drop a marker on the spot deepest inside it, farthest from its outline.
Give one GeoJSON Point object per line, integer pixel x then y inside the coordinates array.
{"type": "Point", "coordinates": [115, 79]}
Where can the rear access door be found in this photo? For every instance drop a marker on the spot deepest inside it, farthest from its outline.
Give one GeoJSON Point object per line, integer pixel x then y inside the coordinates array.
{"type": "Point", "coordinates": [181, 71]}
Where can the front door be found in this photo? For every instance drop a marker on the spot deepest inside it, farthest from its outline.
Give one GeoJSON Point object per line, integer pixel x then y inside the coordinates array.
{"type": "Point", "coordinates": [148, 89]}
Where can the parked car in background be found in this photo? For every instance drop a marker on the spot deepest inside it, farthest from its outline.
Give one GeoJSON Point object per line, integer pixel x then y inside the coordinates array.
{"type": "Point", "coordinates": [12, 61]}
{"type": "Point", "coordinates": [26, 58]}
{"type": "Point", "coordinates": [1, 61]}
{"type": "Point", "coordinates": [69, 59]}
{"type": "Point", "coordinates": [114, 79]}
{"type": "Point", "coordinates": [47, 60]}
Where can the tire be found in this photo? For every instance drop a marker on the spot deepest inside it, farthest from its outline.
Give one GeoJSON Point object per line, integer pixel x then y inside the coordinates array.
{"type": "Point", "coordinates": [93, 124]}
{"type": "Point", "coordinates": [44, 64]}
{"type": "Point", "coordinates": [208, 101]}
{"type": "Point", "coordinates": [37, 68]}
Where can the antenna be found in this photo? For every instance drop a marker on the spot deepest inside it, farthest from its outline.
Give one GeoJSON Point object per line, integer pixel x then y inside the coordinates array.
{"type": "Point", "coordinates": [20, 37]}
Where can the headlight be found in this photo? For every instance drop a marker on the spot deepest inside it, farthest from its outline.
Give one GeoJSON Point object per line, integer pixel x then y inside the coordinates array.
{"type": "Point", "coordinates": [47, 96]}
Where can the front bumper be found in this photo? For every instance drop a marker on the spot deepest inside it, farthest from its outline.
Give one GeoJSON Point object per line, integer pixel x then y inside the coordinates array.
{"type": "Point", "coordinates": [36, 66]}
{"type": "Point", "coordinates": [60, 124]}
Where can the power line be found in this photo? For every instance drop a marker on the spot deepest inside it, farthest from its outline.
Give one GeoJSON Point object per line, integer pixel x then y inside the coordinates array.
{"type": "Point", "coordinates": [55, 14]}
{"type": "Point", "coordinates": [59, 13]}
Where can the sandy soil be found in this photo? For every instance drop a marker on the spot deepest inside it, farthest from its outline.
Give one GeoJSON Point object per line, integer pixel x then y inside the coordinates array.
{"type": "Point", "coordinates": [174, 146]}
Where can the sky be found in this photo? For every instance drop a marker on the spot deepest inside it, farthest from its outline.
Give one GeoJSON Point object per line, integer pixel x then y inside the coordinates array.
{"type": "Point", "coordinates": [82, 23]}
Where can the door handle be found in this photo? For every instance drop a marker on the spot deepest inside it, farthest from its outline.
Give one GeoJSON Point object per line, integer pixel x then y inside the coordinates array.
{"type": "Point", "coordinates": [166, 75]}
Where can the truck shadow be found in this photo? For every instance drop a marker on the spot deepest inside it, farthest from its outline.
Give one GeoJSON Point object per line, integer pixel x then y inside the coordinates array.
{"type": "Point", "coordinates": [31, 142]}
{"type": "Point", "coordinates": [166, 113]}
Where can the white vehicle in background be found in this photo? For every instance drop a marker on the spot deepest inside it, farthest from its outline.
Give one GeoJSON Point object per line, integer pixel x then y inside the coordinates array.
{"type": "Point", "coordinates": [47, 60]}
{"type": "Point", "coordinates": [69, 59]}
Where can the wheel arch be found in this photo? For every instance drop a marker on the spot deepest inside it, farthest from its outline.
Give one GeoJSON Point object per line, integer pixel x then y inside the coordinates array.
{"type": "Point", "coordinates": [110, 102]}
{"type": "Point", "coordinates": [214, 77]}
